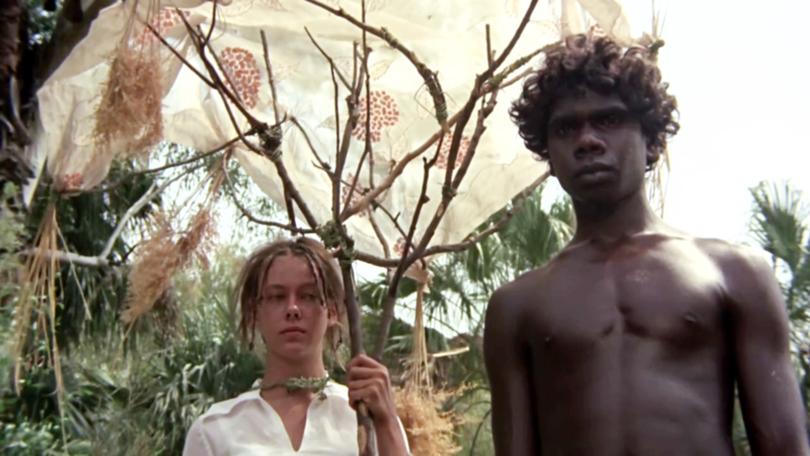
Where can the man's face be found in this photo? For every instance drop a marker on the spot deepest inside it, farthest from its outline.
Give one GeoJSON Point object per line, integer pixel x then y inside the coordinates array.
{"type": "Point", "coordinates": [291, 317]}
{"type": "Point", "coordinates": [596, 148]}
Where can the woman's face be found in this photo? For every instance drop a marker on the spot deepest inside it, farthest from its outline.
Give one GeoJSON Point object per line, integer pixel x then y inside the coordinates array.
{"type": "Point", "coordinates": [290, 315]}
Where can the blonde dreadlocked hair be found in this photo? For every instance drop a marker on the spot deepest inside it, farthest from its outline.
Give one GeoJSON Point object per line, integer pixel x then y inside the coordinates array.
{"type": "Point", "coordinates": [251, 282]}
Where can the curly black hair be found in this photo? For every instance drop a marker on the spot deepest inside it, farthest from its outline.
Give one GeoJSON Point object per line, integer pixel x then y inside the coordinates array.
{"type": "Point", "coordinates": [598, 64]}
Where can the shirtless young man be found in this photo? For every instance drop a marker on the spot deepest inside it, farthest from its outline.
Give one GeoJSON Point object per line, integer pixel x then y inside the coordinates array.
{"type": "Point", "coordinates": [631, 340]}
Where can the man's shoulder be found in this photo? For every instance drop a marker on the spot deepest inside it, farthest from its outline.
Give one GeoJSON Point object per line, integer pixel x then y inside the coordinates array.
{"type": "Point", "coordinates": [724, 254]}
{"type": "Point", "coordinates": [731, 257]}
{"type": "Point", "coordinates": [512, 298]}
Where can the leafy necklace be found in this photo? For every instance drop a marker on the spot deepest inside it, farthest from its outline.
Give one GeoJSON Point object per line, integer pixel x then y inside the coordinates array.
{"type": "Point", "coordinates": [293, 384]}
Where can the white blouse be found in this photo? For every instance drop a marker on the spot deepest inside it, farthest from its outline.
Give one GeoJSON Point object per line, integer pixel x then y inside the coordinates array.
{"type": "Point", "coordinates": [247, 425]}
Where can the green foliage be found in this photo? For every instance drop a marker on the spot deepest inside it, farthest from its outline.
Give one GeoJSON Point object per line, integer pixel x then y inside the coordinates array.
{"type": "Point", "coordinates": [141, 400]}
{"type": "Point", "coordinates": [41, 23]}
{"type": "Point", "coordinates": [28, 438]}
{"type": "Point", "coordinates": [780, 226]}
{"type": "Point", "coordinates": [202, 363]}
{"type": "Point", "coordinates": [91, 299]}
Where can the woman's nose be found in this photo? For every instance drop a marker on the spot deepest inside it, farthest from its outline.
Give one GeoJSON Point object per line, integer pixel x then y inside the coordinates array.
{"type": "Point", "coordinates": [292, 309]}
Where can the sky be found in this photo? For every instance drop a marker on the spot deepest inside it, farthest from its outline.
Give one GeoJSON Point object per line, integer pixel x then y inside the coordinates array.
{"type": "Point", "coordinates": [740, 72]}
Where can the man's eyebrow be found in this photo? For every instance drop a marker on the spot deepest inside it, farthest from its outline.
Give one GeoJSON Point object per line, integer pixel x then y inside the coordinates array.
{"type": "Point", "coordinates": [573, 116]}
{"type": "Point", "coordinates": [610, 110]}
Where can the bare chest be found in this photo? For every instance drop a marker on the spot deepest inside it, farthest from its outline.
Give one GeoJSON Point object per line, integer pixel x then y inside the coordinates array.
{"type": "Point", "coordinates": [672, 297]}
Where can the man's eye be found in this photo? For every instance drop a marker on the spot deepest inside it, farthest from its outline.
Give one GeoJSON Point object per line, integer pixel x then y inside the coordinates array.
{"type": "Point", "coordinates": [609, 120]}
{"type": "Point", "coordinates": [309, 297]}
{"type": "Point", "coordinates": [563, 129]}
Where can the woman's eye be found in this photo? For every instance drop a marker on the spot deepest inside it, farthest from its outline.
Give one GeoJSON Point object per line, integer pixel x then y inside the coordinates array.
{"type": "Point", "coordinates": [309, 297]}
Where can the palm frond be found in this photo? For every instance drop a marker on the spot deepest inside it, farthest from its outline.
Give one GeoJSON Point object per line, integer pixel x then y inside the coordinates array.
{"type": "Point", "coordinates": [778, 223]}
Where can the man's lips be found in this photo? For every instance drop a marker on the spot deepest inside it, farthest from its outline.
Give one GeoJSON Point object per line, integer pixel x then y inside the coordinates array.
{"type": "Point", "coordinates": [593, 168]}
{"type": "Point", "coordinates": [293, 331]}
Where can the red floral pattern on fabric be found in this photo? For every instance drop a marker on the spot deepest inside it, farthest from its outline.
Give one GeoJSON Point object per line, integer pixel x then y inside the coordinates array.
{"type": "Point", "coordinates": [242, 70]}
{"type": "Point", "coordinates": [72, 182]}
{"type": "Point", "coordinates": [384, 113]}
{"type": "Point", "coordinates": [444, 152]}
{"type": "Point", "coordinates": [164, 21]}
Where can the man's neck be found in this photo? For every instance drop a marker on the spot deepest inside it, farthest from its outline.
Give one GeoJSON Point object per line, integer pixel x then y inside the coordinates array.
{"type": "Point", "coordinates": [599, 222]}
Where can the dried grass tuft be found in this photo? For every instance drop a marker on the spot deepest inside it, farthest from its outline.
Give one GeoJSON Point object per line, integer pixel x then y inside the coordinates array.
{"type": "Point", "coordinates": [37, 300]}
{"type": "Point", "coordinates": [161, 256]}
{"type": "Point", "coordinates": [430, 430]}
{"type": "Point", "coordinates": [128, 119]}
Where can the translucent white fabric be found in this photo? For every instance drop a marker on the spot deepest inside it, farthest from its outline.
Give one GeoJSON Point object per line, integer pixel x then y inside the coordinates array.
{"type": "Point", "coordinates": [247, 426]}
{"type": "Point", "coordinates": [448, 36]}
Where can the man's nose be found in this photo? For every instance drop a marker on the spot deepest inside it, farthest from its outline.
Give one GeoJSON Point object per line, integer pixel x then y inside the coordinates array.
{"type": "Point", "coordinates": [588, 142]}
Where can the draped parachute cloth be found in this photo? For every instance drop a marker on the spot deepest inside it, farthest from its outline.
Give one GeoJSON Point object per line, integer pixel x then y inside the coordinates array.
{"type": "Point", "coordinates": [448, 36]}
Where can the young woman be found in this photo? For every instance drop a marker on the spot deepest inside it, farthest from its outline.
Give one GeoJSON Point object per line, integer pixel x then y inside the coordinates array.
{"type": "Point", "coordinates": [289, 293]}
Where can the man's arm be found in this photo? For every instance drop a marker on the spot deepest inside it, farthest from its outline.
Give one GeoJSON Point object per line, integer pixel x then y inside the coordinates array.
{"type": "Point", "coordinates": [513, 417]}
{"type": "Point", "coordinates": [769, 393]}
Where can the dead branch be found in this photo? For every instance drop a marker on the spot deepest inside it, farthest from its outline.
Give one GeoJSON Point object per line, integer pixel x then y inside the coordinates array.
{"type": "Point", "coordinates": [102, 259]}
{"type": "Point", "coordinates": [179, 56]}
{"type": "Point", "coordinates": [169, 165]}
{"type": "Point", "coordinates": [377, 232]}
{"type": "Point", "coordinates": [323, 164]}
{"type": "Point", "coordinates": [517, 204]}
{"type": "Point", "coordinates": [429, 76]}
{"type": "Point", "coordinates": [393, 285]}
{"type": "Point", "coordinates": [249, 215]}
{"type": "Point", "coordinates": [262, 129]}
{"type": "Point", "coordinates": [397, 170]}
{"type": "Point", "coordinates": [451, 186]}
{"type": "Point", "coordinates": [270, 80]}
{"type": "Point", "coordinates": [367, 149]}
{"type": "Point", "coordinates": [336, 185]}
{"type": "Point", "coordinates": [508, 49]}
{"type": "Point", "coordinates": [329, 60]}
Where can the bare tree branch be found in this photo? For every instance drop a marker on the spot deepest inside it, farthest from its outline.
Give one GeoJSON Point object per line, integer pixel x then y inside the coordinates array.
{"type": "Point", "coordinates": [517, 204]}
{"type": "Point", "coordinates": [102, 259]}
{"type": "Point", "coordinates": [323, 164]}
{"type": "Point", "coordinates": [270, 80]}
{"type": "Point", "coordinates": [429, 76]}
{"type": "Point", "coordinates": [329, 60]}
{"type": "Point", "coordinates": [249, 215]}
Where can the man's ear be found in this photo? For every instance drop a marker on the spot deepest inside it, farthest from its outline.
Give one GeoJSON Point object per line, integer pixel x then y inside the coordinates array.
{"type": "Point", "coordinates": [653, 154]}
